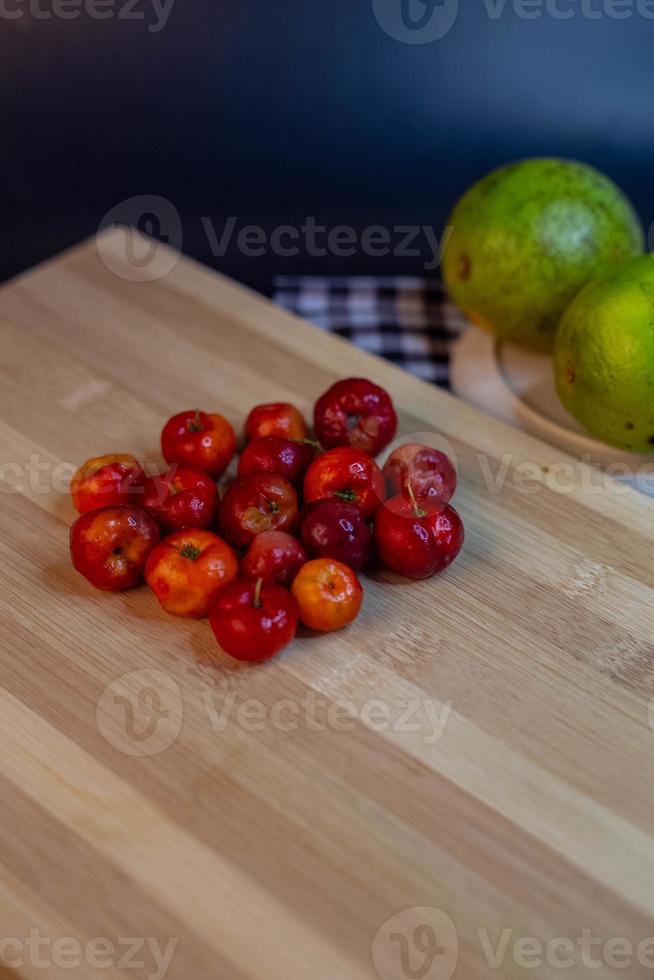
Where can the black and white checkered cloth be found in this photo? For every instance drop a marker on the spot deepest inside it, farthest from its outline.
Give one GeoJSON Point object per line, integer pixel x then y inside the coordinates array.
{"type": "Point", "coordinates": [409, 321]}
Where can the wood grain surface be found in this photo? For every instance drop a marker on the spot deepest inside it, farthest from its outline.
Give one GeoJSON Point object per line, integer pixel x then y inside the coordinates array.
{"type": "Point", "coordinates": [476, 747]}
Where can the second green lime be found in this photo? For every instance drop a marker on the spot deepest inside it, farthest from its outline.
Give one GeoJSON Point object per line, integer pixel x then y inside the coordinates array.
{"type": "Point", "coordinates": [604, 357]}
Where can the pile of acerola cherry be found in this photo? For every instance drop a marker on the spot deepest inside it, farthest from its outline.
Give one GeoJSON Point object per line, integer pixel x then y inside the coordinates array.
{"type": "Point", "coordinates": [299, 513]}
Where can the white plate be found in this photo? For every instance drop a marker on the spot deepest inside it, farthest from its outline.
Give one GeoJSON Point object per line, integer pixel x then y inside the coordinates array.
{"type": "Point", "coordinates": [518, 388]}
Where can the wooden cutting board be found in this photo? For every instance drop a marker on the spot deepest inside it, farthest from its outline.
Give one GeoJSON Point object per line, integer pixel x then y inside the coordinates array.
{"type": "Point", "coordinates": [475, 749]}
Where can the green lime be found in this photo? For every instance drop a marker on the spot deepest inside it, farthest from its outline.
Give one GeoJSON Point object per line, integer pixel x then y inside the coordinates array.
{"type": "Point", "coordinates": [527, 238]}
{"type": "Point", "coordinates": [604, 356]}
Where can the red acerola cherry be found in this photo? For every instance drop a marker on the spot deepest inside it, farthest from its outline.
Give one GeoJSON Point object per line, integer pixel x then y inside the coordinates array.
{"type": "Point", "coordinates": [254, 503]}
{"type": "Point", "coordinates": [332, 528]}
{"type": "Point", "coordinates": [275, 419]}
{"type": "Point", "coordinates": [348, 474]}
{"type": "Point", "coordinates": [417, 540]}
{"type": "Point", "coordinates": [187, 570]}
{"type": "Point", "coordinates": [182, 497]}
{"type": "Point", "coordinates": [107, 481]}
{"type": "Point", "coordinates": [110, 546]}
{"type": "Point", "coordinates": [429, 471]}
{"type": "Point", "coordinates": [328, 594]}
{"type": "Point", "coordinates": [254, 620]}
{"type": "Point", "coordinates": [273, 556]}
{"type": "Point", "coordinates": [289, 458]}
{"type": "Point", "coordinates": [355, 412]}
{"type": "Point", "coordinates": [194, 438]}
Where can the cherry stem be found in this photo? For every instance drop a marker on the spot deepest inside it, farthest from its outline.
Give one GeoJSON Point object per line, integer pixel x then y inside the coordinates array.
{"type": "Point", "coordinates": [311, 442]}
{"type": "Point", "coordinates": [417, 511]}
{"type": "Point", "coordinates": [256, 602]}
{"type": "Point", "coordinates": [196, 425]}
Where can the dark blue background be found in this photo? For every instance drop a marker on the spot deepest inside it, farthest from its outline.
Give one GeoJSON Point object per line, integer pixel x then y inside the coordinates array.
{"type": "Point", "coordinates": [272, 110]}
